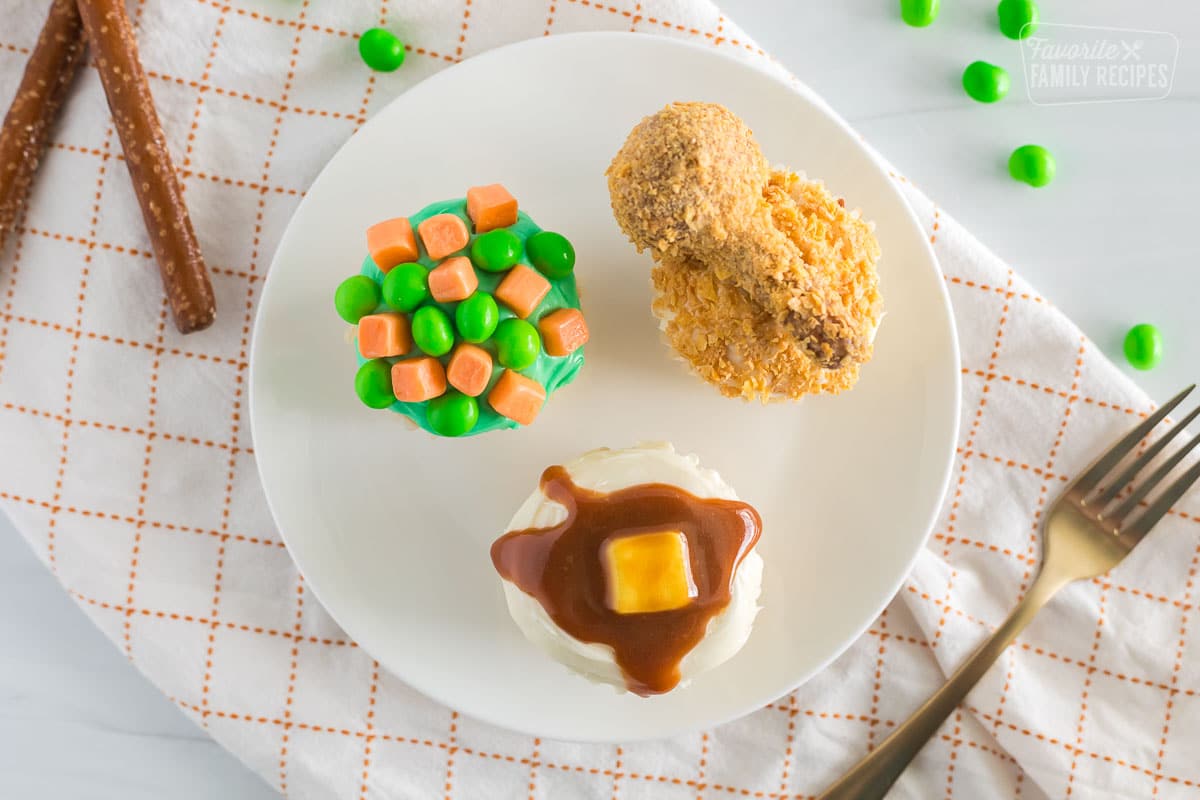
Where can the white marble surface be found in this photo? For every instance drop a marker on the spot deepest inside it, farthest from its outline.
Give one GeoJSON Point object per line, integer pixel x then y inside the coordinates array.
{"type": "Point", "coordinates": [1112, 242]}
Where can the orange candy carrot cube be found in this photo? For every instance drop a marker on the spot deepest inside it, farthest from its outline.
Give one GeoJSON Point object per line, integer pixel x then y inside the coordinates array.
{"type": "Point", "coordinates": [454, 279]}
{"type": "Point", "coordinates": [470, 369]}
{"type": "Point", "coordinates": [491, 207]}
{"type": "Point", "coordinates": [391, 242]}
{"type": "Point", "coordinates": [563, 331]}
{"type": "Point", "coordinates": [522, 289]}
{"type": "Point", "coordinates": [384, 335]}
{"type": "Point", "coordinates": [443, 234]}
{"type": "Point", "coordinates": [517, 397]}
{"type": "Point", "coordinates": [416, 380]}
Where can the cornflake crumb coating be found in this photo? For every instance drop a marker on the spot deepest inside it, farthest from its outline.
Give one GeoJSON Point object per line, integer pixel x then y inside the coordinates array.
{"type": "Point", "coordinates": [738, 346]}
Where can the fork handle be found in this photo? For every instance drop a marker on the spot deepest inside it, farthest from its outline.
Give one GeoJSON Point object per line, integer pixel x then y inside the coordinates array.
{"type": "Point", "coordinates": [871, 777]}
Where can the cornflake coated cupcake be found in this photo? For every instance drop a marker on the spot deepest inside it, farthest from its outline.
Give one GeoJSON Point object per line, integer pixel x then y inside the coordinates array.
{"type": "Point", "coordinates": [765, 284]}
{"type": "Point", "coordinates": [467, 315]}
{"type": "Point", "coordinates": [633, 567]}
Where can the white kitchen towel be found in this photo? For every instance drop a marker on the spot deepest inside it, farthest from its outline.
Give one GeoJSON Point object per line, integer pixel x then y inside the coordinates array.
{"type": "Point", "coordinates": [126, 461]}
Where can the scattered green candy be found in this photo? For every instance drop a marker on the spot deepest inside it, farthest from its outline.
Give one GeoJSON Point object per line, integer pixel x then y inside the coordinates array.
{"type": "Point", "coordinates": [373, 383]}
{"type": "Point", "coordinates": [453, 413]}
{"type": "Point", "coordinates": [551, 253]}
{"type": "Point", "coordinates": [406, 286]}
{"type": "Point", "coordinates": [517, 343]}
{"type": "Point", "coordinates": [919, 13]}
{"type": "Point", "coordinates": [381, 50]}
{"type": "Point", "coordinates": [1032, 164]}
{"type": "Point", "coordinates": [477, 317]}
{"type": "Point", "coordinates": [1018, 18]}
{"type": "Point", "coordinates": [432, 331]}
{"type": "Point", "coordinates": [1143, 346]}
{"type": "Point", "coordinates": [496, 251]}
{"type": "Point", "coordinates": [356, 297]}
{"type": "Point", "coordinates": [985, 82]}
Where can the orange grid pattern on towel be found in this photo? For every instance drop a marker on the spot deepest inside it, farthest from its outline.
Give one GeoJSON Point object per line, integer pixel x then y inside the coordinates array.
{"type": "Point", "coordinates": [145, 501]}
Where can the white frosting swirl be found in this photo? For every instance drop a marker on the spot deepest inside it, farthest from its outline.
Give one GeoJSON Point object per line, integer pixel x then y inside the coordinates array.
{"type": "Point", "coordinates": [607, 470]}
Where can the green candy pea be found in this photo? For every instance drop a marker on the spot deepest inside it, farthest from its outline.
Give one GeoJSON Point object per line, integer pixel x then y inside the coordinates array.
{"type": "Point", "coordinates": [1018, 18]}
{"type": "Point", "coordinates": [551, 253]}
{"type": "Point", "coordinates": [919, 13]}
{"type": "Point", "coordinates": [517, 343]}
{"type": "Point", "coordinates": [381, 50]}
{"type": "Point", "coordinates": [477, 317]}
{"type": "Point", "coordinates": [432, 331]}
{"type": "Point", "coordinates": [356, 297]}
{"type": "Point", "coordinates": [1032, 164]}
{"type": "Point", "coordinates": [453, 413]}
{"type": "Point", "coordinates": [373, 383]}
{"type": "Point", "coordinates": [406, 286]}
{"type": "Point", "coordinates": [1143, 346]}
{"type": "Point", "coordinates": [985, 82]}
{"type": "Point", "coordinates": [496, 251]}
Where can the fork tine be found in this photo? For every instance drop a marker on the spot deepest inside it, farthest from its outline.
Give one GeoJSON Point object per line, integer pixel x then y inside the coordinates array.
{"type": "Point", "coordinates": [1162, 505]}
{"type": "Point", "coordinates": [1101, 467]}
{"type": "Point", "coordinates": [1113, 489]}
{"type": "Point", "coordinates": [1129, 503]}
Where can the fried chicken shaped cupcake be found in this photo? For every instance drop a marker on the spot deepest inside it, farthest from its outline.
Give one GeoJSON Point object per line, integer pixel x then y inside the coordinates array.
{"type": "Point", "coordinates": [765, 284]}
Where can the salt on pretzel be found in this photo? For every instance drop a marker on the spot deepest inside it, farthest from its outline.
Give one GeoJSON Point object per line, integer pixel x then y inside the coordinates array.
{"type": "Point", "coordinates": [26, 131]}
{"type": "Point", "coordinates": [185, 278]}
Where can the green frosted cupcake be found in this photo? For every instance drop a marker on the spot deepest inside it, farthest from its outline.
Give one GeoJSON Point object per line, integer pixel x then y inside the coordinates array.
{"type": "Point", "coordinates": [467, 315]}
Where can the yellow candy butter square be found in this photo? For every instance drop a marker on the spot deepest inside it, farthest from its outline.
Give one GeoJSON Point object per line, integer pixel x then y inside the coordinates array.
{"type": "Point", "coordinates": [647, 572]}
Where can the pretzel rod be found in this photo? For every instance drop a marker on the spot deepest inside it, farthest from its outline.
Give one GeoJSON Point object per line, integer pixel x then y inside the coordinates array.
{"type": "Point", "coordinates": [185, 278]}
{"type": "Point", "coordinates": [26, 130]}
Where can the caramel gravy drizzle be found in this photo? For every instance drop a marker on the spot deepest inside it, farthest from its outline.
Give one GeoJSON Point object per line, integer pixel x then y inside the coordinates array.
{"type": "Point", "coordinates": [561, 567]}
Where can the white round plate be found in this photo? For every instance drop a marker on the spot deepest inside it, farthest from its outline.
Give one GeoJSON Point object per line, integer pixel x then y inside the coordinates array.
{"type": "Point", "coordinates": [391, 527]}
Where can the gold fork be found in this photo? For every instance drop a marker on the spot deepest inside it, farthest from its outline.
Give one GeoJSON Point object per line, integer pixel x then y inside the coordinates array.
{"type": "Point", "coordinates": [1087, 533]}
